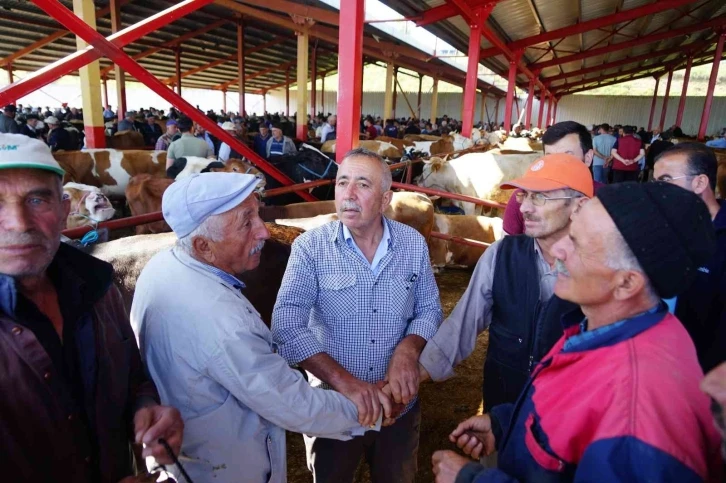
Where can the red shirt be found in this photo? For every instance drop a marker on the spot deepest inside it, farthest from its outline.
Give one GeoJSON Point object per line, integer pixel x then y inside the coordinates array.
{"type": "Point", "coordinates": [372, 132]}
{"type": "Point", "coordinates": [513, 218]}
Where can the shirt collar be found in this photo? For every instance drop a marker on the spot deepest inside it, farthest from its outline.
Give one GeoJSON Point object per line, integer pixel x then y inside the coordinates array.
{"type": "Point", "coordinates": [224, 277]}
{"type": "Point", "coordinates": [579, 339]}
{"type": "Point", "coordinates": [385, 239]}
{"type": "Point", "coordinates": [342, 230]}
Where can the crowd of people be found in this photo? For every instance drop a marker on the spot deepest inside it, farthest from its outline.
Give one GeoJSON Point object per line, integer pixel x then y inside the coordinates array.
{"type": "Point", "coordinates": [605, 306]}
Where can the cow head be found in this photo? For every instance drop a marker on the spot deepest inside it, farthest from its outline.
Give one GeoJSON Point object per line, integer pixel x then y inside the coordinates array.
{"type": "Point", "coordinates": [239, 166]}
{"type": "Point", "coordinates": [88, 205]}
{"type": "Point", "coordinates": [437, 174]}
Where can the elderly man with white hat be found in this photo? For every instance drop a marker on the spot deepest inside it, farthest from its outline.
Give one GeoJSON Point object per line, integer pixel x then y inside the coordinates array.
{"type": "Point", "coordinates": [209, 351]}
{"type": "Point", "coordinates": [58, 137]}
{"type": "Point", "coordinates": [75, 394]}
{"type": "Point", "coordinates": [225, 151]}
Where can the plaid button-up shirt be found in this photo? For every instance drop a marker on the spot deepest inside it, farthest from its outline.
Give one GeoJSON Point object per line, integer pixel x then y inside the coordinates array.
{"type": "Point", "coordinates": [331, 301]}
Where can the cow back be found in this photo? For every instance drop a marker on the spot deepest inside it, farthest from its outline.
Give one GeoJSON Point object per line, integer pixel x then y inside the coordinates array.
{"type": "Point", "coordinates": [126, 140]}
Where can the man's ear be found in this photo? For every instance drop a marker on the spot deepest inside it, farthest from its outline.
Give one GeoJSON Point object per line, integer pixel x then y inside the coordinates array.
{"type": "Point", "coordinates": [699, 184]}
{"type": "Point", "coordinates": [386, 201]}
{"type": "Point", "coordinates": [628, 284]}
{"type": "Point", "coordinates": [588, 157]}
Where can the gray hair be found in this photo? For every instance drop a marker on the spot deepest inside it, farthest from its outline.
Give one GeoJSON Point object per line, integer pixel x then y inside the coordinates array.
{"type": "Point", "coordinates": [210, 229]}
{"type": "Point", "coordinates": [623, 258]}
{"type": "Point", "coordinates": [386, 177]}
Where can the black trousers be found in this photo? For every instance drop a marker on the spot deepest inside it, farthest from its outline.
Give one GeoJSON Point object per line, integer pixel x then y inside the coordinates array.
{"type": "Point", "coordinates": [620, 176]}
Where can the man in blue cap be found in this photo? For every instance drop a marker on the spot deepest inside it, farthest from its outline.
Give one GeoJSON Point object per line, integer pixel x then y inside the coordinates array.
{"type": "Point", "coordinates": [75, 393]}
{"type": "Point", "coordinates": [207, 347]}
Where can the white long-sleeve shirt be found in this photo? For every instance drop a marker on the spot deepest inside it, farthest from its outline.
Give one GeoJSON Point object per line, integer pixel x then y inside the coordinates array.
{"type": "Point", "coordinates": [211, 357]}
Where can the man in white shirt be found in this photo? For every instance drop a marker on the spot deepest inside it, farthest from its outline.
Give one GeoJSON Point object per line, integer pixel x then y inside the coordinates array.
{"type": "Point", "coordinates": [209, 351]}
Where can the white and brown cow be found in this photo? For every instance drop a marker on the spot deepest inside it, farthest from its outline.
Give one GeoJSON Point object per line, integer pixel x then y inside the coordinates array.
{"type": "Point", "coordinates": [110, 169]}
{"type": "Point", "coordinates": [382, 148]}
{"type": "Point", "coordinates": [476, 174]}
{"type": "Point", "coordinates": [445, 253]}
{"type": "Point", "coordinates": [88, 205]}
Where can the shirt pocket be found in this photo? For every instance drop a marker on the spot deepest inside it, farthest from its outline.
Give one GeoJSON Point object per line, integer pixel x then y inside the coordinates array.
{"type": "Point", "coordinates": [543, 457]}
{"type": "Point", "coordinates": [338, 295]}
{"type": "Point", "coordinates": [400, 297]}
{"type": "Point", "coordinates": [507, 347]}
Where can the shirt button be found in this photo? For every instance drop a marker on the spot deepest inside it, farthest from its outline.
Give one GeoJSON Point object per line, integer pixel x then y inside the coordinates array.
{"type": "Point", "coordinates": [46, 376]}
{"type": "Point", "coordinates": [70, 417]}
{"type": "Point", "coordinates": [370, 368]}
{"type": "Point", "coordinates": [375, 310]}
{"type": "Point", "coordinates": [16, 330]}
{"type": "Point", "coordinates": [373, 341]}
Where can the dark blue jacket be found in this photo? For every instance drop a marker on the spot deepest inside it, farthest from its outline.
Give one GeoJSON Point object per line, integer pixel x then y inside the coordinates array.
{"type": "Point", "coordinates": [260, 144]}
{"type": "Point", "coordinates": [702, 308]}
{"type": "Point", "coordinates": [59, 139]}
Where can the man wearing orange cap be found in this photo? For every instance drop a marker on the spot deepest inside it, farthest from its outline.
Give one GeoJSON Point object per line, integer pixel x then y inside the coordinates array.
{"type": "Point", "coordinates": [511, 289]}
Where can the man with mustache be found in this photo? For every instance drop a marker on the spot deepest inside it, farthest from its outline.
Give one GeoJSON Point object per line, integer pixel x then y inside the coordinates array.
{"type": "Point", "coordinates": [357, 304]}
{"type": "Point", "coordinates": [510, 291]}
{"type": "Point", "coordinates": [74, 392]}
{"type": "Point", "coordinates": [617, 398]}
{"type": "Point", "coordinates": [209, 351]}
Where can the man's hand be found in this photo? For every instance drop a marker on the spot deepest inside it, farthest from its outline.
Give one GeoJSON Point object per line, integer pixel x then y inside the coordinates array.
{"type": "Point", "coordinates": [154, 422]}
{"type": "Point", "coordinates": [403, 369]}
{"type": "Point", "coordinates": [447, 465]}
{"type": "Point", "coordinates": [714, 384]}
{"type": "Point", "coordinates": [368, 398]}
{"type": "Point", "coordinates": [397, 409]}
{"type": "Point", "coordinates": [474, 436]}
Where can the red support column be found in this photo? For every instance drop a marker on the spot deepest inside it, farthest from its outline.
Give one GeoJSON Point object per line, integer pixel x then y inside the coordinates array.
{"type": "Point", "coordinates": [313, 82]}
{"type": "Point", "coordinates": [510, 93]}
{"type": "Point", "coordinates": [530, 100]}
{"type": "Point", "coordinates": [395, 91]}
{"type": "Point", "coordinates": [548, 120]}
{"type": "Point", "coordinates": [322, 94]}
{"type": "Point", "coordinates": [118, 73]}
{"type": "Point", "coordinates": [177, 60]}
{"type": "Point", "coordinates": [105, 47]}
{"type": "Point", "coordinates": [241, 67]}
{"type": "Point", "coordinates": [684, 91]}
{"type": "Point", "coordinates": [287, 91]}
{"type": "Point", "coordinates": [664, 109]}
{"type": "Point", "coordinates": [472, 73]}
{"type": "Point", "coordinates": [542, 100]}
{"type": "Point", "coordinates": [652, 104]}
{"type": "Point", "coordinates": [350, 76]}
{"type": "Point", "coordinates": [711, 86]}
{"type": "Point", "coordinates": [420, 86]}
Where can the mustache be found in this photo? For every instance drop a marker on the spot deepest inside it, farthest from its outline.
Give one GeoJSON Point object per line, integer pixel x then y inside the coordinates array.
{"type": "Point", "coordinates": [258, 248]}
{"type": "Point", "coordinates": [529, 217]}
{"type": "Point", "coordinates": [27, 238]}
{"type": "Point", "coordinates": [350, 205]}
{"type": "Point", "coordinates": [560, 268]}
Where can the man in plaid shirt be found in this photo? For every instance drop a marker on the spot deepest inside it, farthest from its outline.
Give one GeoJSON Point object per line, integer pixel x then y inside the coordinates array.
{"type": "Point", "coordinates": [356, 306]}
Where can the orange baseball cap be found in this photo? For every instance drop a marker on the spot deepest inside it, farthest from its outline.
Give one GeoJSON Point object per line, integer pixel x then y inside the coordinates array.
{"type": "Point", "coordinates": [555, 172]}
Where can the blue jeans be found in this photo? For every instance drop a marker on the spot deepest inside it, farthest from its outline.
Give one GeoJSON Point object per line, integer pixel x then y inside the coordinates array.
{"type": "Point", "coordinates": [598, 174]}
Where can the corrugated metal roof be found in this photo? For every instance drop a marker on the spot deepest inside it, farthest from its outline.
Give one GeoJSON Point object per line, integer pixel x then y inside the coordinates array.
{"type": "Point", "coordinates": [514, 20]}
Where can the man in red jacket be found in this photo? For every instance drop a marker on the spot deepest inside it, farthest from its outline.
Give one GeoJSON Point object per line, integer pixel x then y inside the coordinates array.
{"type": "Point", "coordinates": [627, 152]}
{"type": "Point", "coordinates": [617, 398]}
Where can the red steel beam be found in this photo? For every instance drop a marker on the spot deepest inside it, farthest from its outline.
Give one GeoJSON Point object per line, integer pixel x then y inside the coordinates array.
{"type": "Point", "coordinates": [713, 23]}
{"type": "Point", "coordinates": [75, 61]}
{"type": "Point", "coordinates": [664, 70]}
{"type": "Point", "coordinates": [628, 60]}
{"type": "Point", "coordinates": [52, 37]}
{"type": "Point", "coordinates": [113, 52]}
{"type": "Point", "coordinates": [652, 104]}
{"type": "Point", "coordinates": [296, 9]}
{"type": "Point", "coordinates": [436, 14]}
{"type": "Point", "coordinates": [597, 23]}
{"type": "Point", "coordinates": [684, 92]}
{"type": "Point", "coordinates": [472, 71]}
{"type": "Point", "coordinates": [173, 43]}
{"type": "Point", "coordinates": [350, 76]}
{"type": "Point", "coordinates": [634, 70]}
{"type": "Point", "coordinates": [711, 86]}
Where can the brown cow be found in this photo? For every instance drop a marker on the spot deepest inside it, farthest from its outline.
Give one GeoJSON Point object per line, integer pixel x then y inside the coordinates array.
{"type": "Point", "coordinates": [110, 169]}
{"type": "Point", "coordinates": [126, 140]}
{"type": "Point", "coordinates": [401, 144]}
{"type": "Point", "coordinates": [129, 256]}
{"type": "Point", "coordinates": [445, 253]}
{"type": "Point", "coordinates": [143, 195]}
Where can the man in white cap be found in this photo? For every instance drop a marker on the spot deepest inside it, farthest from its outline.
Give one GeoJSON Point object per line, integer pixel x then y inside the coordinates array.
{"type": "Point", "coordinates": [58, 137]}
{"type": "Point", "coordinates": [75, 393]}
{"type": "Point", "coordinates": [225, 151]}
{"type": "Point", "coordinates": [207, 347]}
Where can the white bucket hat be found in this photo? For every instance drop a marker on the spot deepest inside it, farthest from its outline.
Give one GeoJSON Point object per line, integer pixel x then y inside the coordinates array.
{"type": "Point", "coordinates": [19, 151]}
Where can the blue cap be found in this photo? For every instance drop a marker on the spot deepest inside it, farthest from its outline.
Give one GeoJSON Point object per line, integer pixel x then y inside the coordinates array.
{"type": "Point", "coordinates": [189, 201]}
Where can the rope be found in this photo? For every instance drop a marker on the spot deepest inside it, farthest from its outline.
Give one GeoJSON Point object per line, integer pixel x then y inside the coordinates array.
{"type": "Point", "coordinates": [325, 173]}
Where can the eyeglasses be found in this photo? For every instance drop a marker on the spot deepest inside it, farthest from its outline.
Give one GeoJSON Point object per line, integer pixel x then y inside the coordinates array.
{"type": "Point", "coordinates": [668, 179]}
{"type": "Point", "coordinates": [539, 199]}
